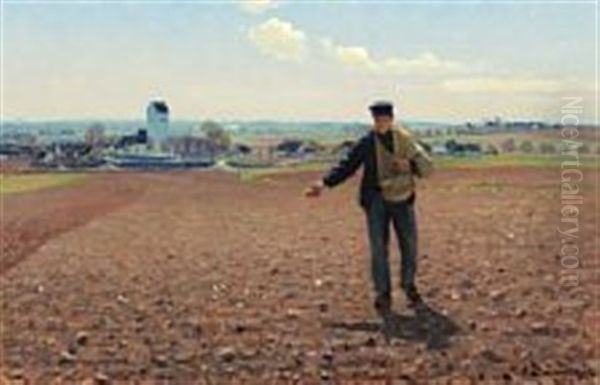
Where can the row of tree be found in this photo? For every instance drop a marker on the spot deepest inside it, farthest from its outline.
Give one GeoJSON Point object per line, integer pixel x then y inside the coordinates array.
{"type": "Point", "coordinates": [527, 146]}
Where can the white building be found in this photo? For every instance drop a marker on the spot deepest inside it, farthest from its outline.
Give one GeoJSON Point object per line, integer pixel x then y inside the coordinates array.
{"type": "Point", "coordinates": [157, 122]}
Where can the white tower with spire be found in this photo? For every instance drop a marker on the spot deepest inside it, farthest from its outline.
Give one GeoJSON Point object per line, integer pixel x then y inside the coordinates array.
{"type": "Point", "coordinates": [157, 122]}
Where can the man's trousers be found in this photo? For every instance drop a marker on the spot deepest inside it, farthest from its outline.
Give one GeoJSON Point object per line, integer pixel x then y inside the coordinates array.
{"type": "Point", "coordinates": [379, 214]}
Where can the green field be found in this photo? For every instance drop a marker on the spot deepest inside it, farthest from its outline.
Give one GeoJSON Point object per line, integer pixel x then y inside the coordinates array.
{"type": "Point", "coordinates": [441, 163]}
{"type": "Point", "coordinates": [512, 160]}
{"type": "Point", "coordinates": [17, 183]}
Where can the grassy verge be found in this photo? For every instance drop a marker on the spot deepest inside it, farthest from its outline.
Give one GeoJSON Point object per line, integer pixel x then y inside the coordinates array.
{"type": "Point", "coordinates": [18, 183]}
{"type": "Point", "coordinates": [441, 163]}
{"type": "Point", "coordinates": [511, 160]}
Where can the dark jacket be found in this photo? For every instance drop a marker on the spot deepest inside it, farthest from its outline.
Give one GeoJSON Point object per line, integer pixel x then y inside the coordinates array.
{"type": "Point", "coordinates": [363, 153]}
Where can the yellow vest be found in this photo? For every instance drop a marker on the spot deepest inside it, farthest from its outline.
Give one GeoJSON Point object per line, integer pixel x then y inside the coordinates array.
{"type": "Point", "coordinates": [399, 185]}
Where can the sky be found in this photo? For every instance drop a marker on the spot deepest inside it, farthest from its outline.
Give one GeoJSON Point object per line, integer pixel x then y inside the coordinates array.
{"type": "Point", "coordinates": [295, 60]}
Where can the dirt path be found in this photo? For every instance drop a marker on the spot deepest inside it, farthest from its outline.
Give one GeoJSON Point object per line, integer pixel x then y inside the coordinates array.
{"type": "Point", "coordinates": [204, 279]}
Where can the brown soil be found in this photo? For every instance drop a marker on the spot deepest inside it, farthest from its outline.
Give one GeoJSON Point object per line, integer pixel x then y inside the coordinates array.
{"type": "Point", "coordinates": [30, 219]}
{"type": "Point", "coordinates": [206, 279]}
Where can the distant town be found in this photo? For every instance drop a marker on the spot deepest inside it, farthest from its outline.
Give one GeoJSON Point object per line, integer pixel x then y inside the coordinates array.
{"type": "Point", "coordinates": [161, 143]}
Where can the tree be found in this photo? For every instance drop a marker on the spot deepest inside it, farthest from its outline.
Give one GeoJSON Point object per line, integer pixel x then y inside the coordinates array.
{"type": "Point", "coordinates": [547, 148]}
{"type": "Point", "coordinates": [491, 149]}
{"type": "Point", "coordinates": [526, 146]}
{"type": "Point", "coordinates": [94, 135]}
{"type": "Point", "coordinates": [217, 134]}
{"type": "Point", "coordinates": [508, 145]}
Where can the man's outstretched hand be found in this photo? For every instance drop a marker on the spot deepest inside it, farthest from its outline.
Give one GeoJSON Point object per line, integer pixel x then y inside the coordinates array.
{"type": "Point", "coordinates": [314, 190]}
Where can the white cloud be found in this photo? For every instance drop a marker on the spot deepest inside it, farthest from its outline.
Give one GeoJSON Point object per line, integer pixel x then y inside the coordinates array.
{"type": "Point", "coordinates": [359, 57]}
{"type": "Point", "coordinates": [352, 56]}
{"type": "Point", "coordinates": [493, 84]}
{"type": "Point", "coordinates": [257, 6]}
{"type": "Point", "coordinates": [426, 62]}
{"type": "Point", "coordinates": [278, 38]}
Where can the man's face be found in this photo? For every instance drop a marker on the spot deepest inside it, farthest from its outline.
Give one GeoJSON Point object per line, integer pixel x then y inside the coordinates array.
{"type": "Point", "coordinates": [382, 123]}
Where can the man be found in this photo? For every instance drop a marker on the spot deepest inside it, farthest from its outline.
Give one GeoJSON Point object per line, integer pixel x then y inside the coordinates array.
{"type": "Point", "coordinates": [391, 159]}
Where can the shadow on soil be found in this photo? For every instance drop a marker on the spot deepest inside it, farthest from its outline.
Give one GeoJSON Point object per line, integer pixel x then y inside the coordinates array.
{"type": "Point", "coordinates": [426, 325]}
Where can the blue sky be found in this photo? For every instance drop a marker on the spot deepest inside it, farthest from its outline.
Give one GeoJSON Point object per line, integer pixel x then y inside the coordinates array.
{"type": "Point", "coordinates": [297, 60]}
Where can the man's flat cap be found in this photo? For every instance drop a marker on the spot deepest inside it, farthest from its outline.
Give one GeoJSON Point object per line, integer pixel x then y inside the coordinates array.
{"type": "Point", "coordinates": [382, 108]}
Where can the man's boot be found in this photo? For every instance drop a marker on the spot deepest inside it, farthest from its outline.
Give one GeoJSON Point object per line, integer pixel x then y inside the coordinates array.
{"type": "Point", "coordinates": [412, 295]}
{"type": "Point", "coordinates": [383, 303]}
